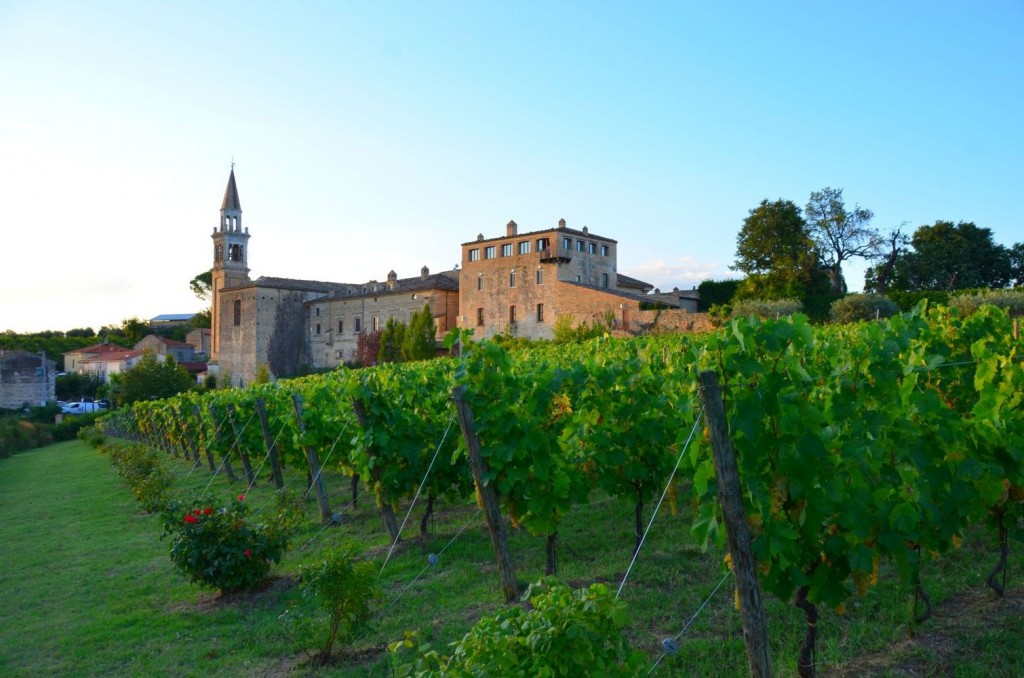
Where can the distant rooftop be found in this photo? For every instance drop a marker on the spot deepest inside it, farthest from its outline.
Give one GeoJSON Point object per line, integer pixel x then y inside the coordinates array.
{"type": "Point", "coordinates": [172, 318]}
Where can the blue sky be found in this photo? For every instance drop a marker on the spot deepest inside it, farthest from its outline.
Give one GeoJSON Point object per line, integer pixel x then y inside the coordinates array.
{"type": "Point", "coordinates": [378, 136]}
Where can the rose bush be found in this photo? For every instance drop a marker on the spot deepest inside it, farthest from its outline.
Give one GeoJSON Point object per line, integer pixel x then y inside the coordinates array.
{"type": "Point", "coordinates": [219, 547]}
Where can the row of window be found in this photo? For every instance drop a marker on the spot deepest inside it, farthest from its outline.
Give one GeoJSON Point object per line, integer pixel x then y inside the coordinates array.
{"type": "Point", "coordinates": [542, 244]}
{"type": "Point", "coordinates": [512, 315]}
{"type": "Point", "coordinates": [538, 277]}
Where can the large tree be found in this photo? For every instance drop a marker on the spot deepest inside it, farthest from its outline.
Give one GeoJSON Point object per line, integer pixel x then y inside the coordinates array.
{"type": "Point", "coordinates": [154, 378]}
{"type": "Point", "coordinates": [775, 250]}
{"type": "Point", "coordinates": [419, 342]}
{"type": "Point", "coordinates": [891, 247]}
{"type": "Point", "coordinates": [839, 233]}
{"type": "Point", "coordinates": [1017, 264]}
{"type": "Point", "coordinates": [948, 256]}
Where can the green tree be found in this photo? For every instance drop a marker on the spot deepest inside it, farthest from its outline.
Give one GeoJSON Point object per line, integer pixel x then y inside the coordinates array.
{"type": "Point", "coordinates": [948, 256]}
{"type": "Point", "coordinates": [152, 378]}
{"type": "Point", "coordinates": [130, 332]}
{"type": "Point", "coordinates": [420, 341]}
{"type": "Point", "coordinates": [839, 233]}
{"type": "Point", "coordinates": [1017, 264]}
{"type": "Point", "coordinates": [890, 248]}
{"type": "Point", "coordinates": [391, 340]}
{"type": "Point", "coordinates": [202, 285]}
{"type": "Point", "coordinates": [775, 250]}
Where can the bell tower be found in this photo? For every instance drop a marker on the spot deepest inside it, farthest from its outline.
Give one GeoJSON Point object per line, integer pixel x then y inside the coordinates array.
{"type": "Point", "coordinates": [230, 257]}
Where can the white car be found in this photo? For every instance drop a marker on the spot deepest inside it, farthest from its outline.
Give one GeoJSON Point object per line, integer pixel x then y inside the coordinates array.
{"type": "Point", "coordinates": [81, 408]}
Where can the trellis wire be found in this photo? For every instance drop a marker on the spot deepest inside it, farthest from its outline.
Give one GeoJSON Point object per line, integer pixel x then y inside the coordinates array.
{"type": "Point", "coordinates": [329, 453]}
{"type": "Point", "coordinates": [671, 477]}
{"type": "Point", "coordinates": [693, 618]}
{"type": "Point", "coordinates": [417, 496]}
{"type": "Point", "coordinates": [429, 564]}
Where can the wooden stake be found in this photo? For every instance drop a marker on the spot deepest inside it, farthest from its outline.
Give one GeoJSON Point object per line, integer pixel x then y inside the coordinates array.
{"type": "Point", "coordinates": [268, 440]}
{"type": "Point", "coordinates": [250, 477]}
{"type": "Point", "coordinates": [385, 508]}
{"type": "Point", "coordinates": [492, 512]}
{"type": "Point", "coordinates": [316, 475]}
{"type": "Point", "coordinates": [218, 435]}
{"type": "Point", "coordinates": [755, 625]}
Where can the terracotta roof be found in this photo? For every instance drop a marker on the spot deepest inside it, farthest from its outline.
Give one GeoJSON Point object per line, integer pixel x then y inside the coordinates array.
{"type": "Point", "coordinates": [294, 284]}
{"type": "Point", "coordinates": [446, 280]}
{"type": "Point", "coordinates": [99, 348]}
{"type": "Point", "coordinates": [231, 201]}
{"type": "Point", "coordinates": [626, 281]}
{"type": "Point", "coordinates": [118, 357]}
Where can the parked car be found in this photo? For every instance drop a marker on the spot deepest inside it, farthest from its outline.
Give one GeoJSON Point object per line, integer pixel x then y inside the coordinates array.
{"type": "Point", "coordinates": [82, 408]}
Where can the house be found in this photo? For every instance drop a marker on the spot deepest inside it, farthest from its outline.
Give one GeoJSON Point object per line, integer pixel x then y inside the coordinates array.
{"type": "Point", "coordinates": [181, 351]}
{"type": "Point", "coordinates": [73, 359]}
{"type": "Point", "coordinates": [336, 320]}
{"type": "Point", "coordinates": [199, 339]}
{"type": "Point", "coordinates": [108, 363]}
{"type": "Point", "coordinates": [520, 283]}
{"type": "Point", "coordinates": [26, 378]}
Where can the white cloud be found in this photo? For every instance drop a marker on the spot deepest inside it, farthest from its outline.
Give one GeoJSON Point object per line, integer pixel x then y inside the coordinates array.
{"type": "Point", "coordinates": [682, 272]}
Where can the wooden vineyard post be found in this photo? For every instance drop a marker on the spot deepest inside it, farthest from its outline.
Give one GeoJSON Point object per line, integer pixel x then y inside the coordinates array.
{"type": "Point", "coordinates": [230, 472]}
{"type": "Point", "coordinates": [200, 438]}
{"type": "Point", "coordinates": [492, 512]}
{"type": "Point", "coordinates": [250, 477]}
{"type": "Point", "coordinates": [268, 440]}
{"type": "Point", "coordinates": [755, 625]}
{"type": "Point", "coordinates": [315, 472]}
{"type": "Point", "coordinates": [385, 508]}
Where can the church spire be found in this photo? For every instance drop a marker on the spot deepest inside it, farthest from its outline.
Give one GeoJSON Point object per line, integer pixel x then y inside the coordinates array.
{"type": "Point", "coordinates": [231, 207]}
{"type": "Point", "coordinates": [231, 201]}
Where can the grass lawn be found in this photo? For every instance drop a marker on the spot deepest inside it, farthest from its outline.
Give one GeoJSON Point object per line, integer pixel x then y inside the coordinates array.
{"type": "Point", "coordinates": [86, 588]}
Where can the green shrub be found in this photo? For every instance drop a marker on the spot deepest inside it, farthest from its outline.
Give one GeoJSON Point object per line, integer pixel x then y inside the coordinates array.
{"type": "Point", "coordinates": [143, 469]}
{"type": "Point", "coordinates": [854, 307]}
{"type": "Point", "coordinates": [567, 633]}
{"type": "Point", "coordinates": [338, 598]}
{"type": "Point", "coordinates": [219, 547]}
{"type": "Point", "coordinates": [766, 308]}
{"type": "Point", "coordinates": [968, 303]}
{"type": "Point", "coordinates": [92, 436]}
{"type": "Point", "coordinates": [18, 435]}
{"type": "Point", "coordinates": [906, 300]}
{"type": "Point", "coordinates": [69, 427]}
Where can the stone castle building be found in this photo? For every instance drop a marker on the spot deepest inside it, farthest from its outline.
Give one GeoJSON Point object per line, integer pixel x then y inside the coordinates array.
{"type": "Point", "coordinates": [519, 284]}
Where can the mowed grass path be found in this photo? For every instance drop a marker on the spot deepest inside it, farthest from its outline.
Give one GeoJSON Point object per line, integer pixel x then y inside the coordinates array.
{"type": "Point", "coordinates": [86, 587]}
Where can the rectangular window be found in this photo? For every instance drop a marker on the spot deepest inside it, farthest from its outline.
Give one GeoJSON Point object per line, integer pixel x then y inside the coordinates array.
{"type": "Point", "coordinates": [506, 250]}
{"type": "Point", "coordinates": [540, 313]}
{"type": "Point", "coordinates": [512, 279]}
{"type": "Point", "coordinates": [577, 278]}
{"type": "Point", "coordinates": [579, 245]}
{"type": "Point", "coordinates": [318, 329]}
{"type": "Point", "coordinates": [474, 254]}
{"type": "Point", "coordinates": [341, 326]}
{"type": "Point", "coordinates": [604, 250]}
{"type": "Point", "coordinates": [237, 308]}
{"type": "Point", "coordinates": [524, 247]}
{"type": "Point", "coordinates": [542, 244]}
{"type": "Point", "coordinates": [567, 243]}
{"type": "Point", "coordinates": [480, 317]}
{"type": "Point", "coordinates": [540, 276]}
{"type": "Point", "coordinates": [376, 324]}
{"type": "Point", "coordinates": [317, 311]}
{"type": "Point", "coordinates": [591, 248]}
{"type": "Point", "coordinates": [511, 315]}
{"type": "Point", "coordinates": [480, 282]}
{"type": "Point", "coordinates": [604, 280]}
{"type": "Point", "coordinates": [489, 252]}
{"type": "Point", "coordinates": [358, 324]}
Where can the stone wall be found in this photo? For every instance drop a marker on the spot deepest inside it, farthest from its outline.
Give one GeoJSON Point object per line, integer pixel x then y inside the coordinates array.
{"type": "Point", "coordinates": [19, 383]}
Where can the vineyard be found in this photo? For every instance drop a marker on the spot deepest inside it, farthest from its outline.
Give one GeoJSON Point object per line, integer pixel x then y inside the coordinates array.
{"type": "Point", "coordinates": [859, 447]}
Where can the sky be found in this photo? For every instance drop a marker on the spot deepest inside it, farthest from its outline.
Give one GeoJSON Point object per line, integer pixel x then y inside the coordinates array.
{"type": "Point", "coordinates": [368, 137]}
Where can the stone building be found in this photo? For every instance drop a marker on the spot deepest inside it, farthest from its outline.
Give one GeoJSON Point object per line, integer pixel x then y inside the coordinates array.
{"type": "Point", "coordinates": [337, 319]}
{"type": "Point", "coordinates": [26, 378]}
{"type": "Point", "coordinates": [520, 283]}
{"type": "Point", "coordinates": [73, 359]}
{"type": "Point", "coordinates": [163, 346]}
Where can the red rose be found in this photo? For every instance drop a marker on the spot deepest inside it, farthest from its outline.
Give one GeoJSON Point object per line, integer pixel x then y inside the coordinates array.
{"type": "Point", "coordinates": [248, 553]}
{"type": "Point", "coordinates": [241, 497]}
{"type": "Point", "coordinates": [196, 512]}
{"type": "Point", "coordinates": [207, 510]}
{"type": "Point", "coordinates": [189, 518]}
